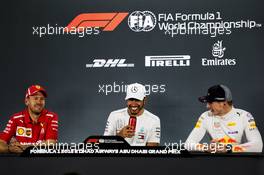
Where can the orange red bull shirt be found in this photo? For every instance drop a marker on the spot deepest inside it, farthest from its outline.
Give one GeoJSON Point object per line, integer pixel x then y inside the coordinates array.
{"type": "Point", "coordinates": [24, 130]}
{"type": "Point", "coordinates": [227, 129]}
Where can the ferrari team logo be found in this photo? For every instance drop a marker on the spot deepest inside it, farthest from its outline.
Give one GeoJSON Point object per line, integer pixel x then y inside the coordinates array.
{"type": "Point", "coordinates": [37, 86]}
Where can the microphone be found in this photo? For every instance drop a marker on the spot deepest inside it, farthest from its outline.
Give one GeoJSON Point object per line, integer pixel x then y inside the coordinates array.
{"type": "Point", "coordinates": [133, 122]}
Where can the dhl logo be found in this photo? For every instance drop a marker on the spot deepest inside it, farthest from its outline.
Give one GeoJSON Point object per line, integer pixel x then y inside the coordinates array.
{"type": "Point", "coordinates": [107, 21]}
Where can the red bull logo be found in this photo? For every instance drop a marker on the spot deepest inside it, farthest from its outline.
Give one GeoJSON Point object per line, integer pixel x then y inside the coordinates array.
{"type": "Point", "coordinates": [227, 139]}
{"type": "Point", "coordinates": [238, 149]}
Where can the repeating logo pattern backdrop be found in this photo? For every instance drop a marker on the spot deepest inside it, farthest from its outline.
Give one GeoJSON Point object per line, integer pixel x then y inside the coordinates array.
{"type": "Point", "coordinates": [85, 53]}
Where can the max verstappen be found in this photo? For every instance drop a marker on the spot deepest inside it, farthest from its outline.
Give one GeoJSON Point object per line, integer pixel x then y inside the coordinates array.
{"type": "Point", "coordinates": [225, 124]}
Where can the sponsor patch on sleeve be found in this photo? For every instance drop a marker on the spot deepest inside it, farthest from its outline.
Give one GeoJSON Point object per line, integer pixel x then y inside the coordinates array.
{"type": "Point", "coordinates": [252, 125]}
{"type": "Point", "coordinates": [198, 124]}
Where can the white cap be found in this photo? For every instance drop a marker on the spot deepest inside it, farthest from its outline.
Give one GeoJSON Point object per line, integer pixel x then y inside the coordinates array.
{"type": "Point", "coordinates": [136, 91]}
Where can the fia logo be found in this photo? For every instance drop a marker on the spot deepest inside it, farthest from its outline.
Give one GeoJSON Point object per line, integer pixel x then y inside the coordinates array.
{"type": "Point", "coordinates": [142, 21]}
{"type": "Point", "coordinates": [218, 49]}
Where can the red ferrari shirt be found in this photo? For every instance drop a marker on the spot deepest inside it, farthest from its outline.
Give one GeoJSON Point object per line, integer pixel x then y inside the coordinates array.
{"type": "Point", "coordinates": [24, 130]}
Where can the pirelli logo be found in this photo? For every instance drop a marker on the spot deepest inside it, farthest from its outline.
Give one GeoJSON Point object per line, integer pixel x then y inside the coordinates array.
{"type": "Point", "coordinates": [167, 61]}
{"type": "Point", "coordinates": [106, 21]}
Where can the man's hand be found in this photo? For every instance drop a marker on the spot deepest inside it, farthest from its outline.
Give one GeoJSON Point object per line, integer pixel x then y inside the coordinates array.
{"type": "Point", "coordinates": [16, 147]}
{"type": "Point", "coordinates": [152, 144]}
{"type": "Point", "coordinates": [126, 132]}
{"type": "Point", "coordinates": [217, 147]}
{"type": "Point", "coordinates": [3, 146]}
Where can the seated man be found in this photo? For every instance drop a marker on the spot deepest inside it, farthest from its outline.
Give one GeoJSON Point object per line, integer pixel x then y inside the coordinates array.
{"type": "Point", "coordinates": [33, 125]}
{"type": "Point", "coordinates": [225, 124]}
{"type": "Point", "coordinates": [138, 126]}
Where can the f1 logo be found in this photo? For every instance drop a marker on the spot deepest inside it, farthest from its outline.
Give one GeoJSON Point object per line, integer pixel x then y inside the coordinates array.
{"type": "Point", "coordinates": [107, 21]}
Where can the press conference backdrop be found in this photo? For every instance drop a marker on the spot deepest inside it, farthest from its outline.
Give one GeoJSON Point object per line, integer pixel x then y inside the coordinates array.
{"type": "Point", "coordinates": [176, 48]}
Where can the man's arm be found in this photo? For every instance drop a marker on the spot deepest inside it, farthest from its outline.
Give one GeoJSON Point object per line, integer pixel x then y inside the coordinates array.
{"type": "Point", "coordinates": [154, 138]}
{"type": "Point", "coordinates": [126, 132]}
{"type": "Point", "coordinates": [3, 146]}
{"type": "Point", "coordinates": [152, 144]}
{"type": "Point", "coordinates": [51, 141]}
{"type": "Point", "coordinates": [254, 141]}
{"type": "Point", "coordinates": [51, 135]}
{"type": "Point", "coordinates": [6, 135]}
{"type": "Point", "coordinates": [16, 147]}
{"type": "Point", "coordinates": [193, 141]}
{"type": "Point", "coordinates": [110, 128]}
{"type": "Point", "coordinates": [47, 142]}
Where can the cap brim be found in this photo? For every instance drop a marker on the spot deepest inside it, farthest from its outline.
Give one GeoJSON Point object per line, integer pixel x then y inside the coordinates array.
{"type": "Point", "coordinates": [129, 97]}
{"type": "Point", "coordinates": [203, 99]}
{"type": "Point", "coordinates": [206, 99]}
{"type": "Point", "coordinates": [42, 91]}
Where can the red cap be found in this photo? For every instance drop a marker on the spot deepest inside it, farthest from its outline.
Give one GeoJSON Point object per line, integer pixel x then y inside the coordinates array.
{"type": "Point", "coordinates": [34, 89]}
